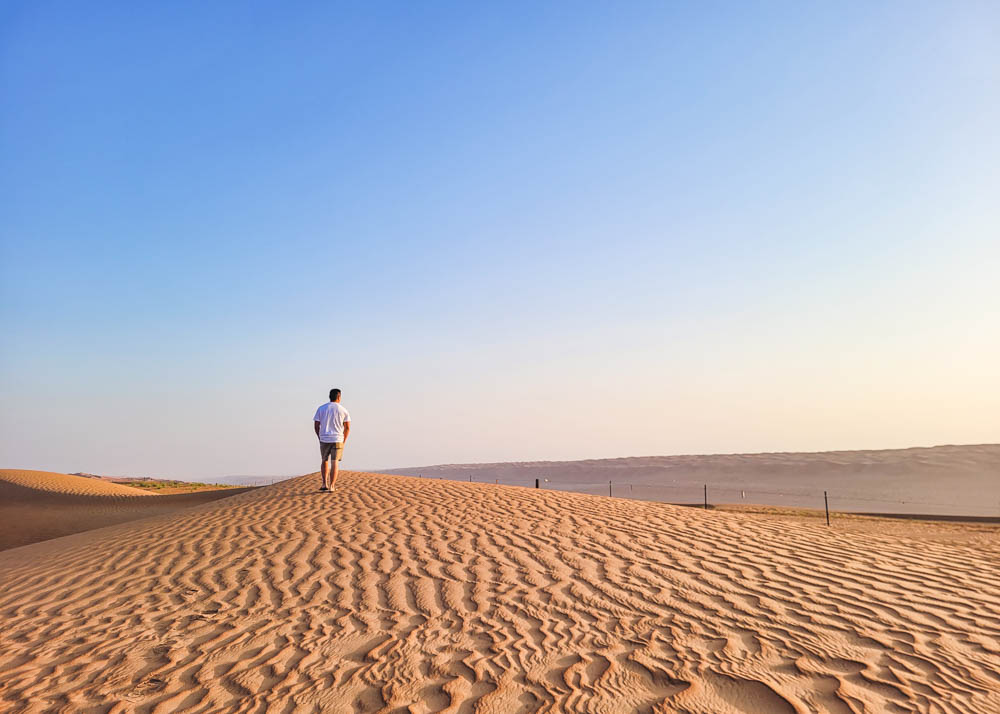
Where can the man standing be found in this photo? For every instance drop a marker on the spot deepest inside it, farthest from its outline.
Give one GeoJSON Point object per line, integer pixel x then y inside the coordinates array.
{"type": "Point", "coordinates": [332, 424]}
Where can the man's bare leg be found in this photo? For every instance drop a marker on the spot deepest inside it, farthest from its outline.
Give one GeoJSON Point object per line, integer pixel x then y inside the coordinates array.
{"type": "Point", "coordinates": [336, 471]}
{"type": "Point", "coordinates": [324, 472]}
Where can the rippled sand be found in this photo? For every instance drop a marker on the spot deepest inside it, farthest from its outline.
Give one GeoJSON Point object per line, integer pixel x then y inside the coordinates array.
{"type": "Point", "coordinates": [398, 594]}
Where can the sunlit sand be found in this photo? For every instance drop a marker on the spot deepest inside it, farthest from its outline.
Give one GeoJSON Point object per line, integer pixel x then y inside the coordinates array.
{"type": "Point", "coordinates": [38, 505]}
{"type": "Point", "coordinates": [405, 594]}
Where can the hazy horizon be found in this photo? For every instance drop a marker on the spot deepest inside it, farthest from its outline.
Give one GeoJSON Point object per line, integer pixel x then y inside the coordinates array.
{"type": "Point", "coordinates": [508, 233]}
{"type": "Point", "coordinates": [231, 478]}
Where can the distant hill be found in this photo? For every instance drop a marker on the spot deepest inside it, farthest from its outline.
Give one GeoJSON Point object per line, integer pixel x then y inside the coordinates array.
{"type": "Point", "coordinates": [950, 480]}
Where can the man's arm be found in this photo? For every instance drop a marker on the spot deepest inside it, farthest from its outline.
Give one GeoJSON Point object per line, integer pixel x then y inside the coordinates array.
{"type": "Point", "coordinates": [316, 427]}
{"type": "Point", "coordinates": [347, 429]}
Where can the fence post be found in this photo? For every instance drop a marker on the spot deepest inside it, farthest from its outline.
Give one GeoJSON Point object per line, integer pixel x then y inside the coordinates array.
{"type": "Point", "coordinates": [826, 502]}
{"type": "Point", "coordinates": [536, 483]}
{"type": "Point", "coordinates": [706, 496]}
{"type": "Point", "coordinates": [609, 488]}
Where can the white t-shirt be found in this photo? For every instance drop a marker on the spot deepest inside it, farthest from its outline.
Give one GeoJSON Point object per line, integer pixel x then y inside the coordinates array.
{"type": "Point", "coordinates": [331, 417]}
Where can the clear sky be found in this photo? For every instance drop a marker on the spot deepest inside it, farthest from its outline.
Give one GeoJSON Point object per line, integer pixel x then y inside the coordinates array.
{"type": "Point", "coordinates": [508, 231]}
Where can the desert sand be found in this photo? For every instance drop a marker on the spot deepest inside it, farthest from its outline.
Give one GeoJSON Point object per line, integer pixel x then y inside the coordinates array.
{"type": "Point", "coordinates": [938, 480]}
{"type": "Point", "coordinates": [398, 594]}
{"type": "Point", "coordinates": [38, 505]}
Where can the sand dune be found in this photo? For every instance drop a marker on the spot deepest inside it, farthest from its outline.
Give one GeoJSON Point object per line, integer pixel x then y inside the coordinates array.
{"type": "Point", "coordinates": [38, 505]}
{"type": "Point", "coordinates": [405, 595]}
{"type": "Point", "coordinates": [65, 484]}
{"type": "Point", "coordinates": [950, 480]}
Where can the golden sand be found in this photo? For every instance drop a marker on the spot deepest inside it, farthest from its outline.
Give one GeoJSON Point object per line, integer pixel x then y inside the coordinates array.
{"type": "Point", "coordinates": [38, 505]}
{"type": "Point", "coordinates": [398, 594]}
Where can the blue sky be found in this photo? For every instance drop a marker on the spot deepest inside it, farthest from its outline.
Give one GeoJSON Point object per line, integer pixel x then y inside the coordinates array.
{"type": "Point", "coordinates": [508, 232]}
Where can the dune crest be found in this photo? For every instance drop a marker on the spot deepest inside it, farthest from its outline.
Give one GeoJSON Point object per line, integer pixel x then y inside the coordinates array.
{"type": "Point", "coordinates": [39, 505]}
{"type": "Point", "coordinates": [401, 594]}
{"type": "Point", "coordinates": [65, 484]}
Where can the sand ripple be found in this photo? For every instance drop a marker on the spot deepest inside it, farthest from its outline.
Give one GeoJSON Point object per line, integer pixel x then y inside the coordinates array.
{"type": "Point", "coordinates": [397, 594]}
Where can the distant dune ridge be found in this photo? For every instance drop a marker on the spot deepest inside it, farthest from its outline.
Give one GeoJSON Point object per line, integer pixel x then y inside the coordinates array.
{"type": "Point", "coordinates": [38, 505]}
{"type": "Point", "coordinates": [401, 594]}
{"type": "Point", "coordinates": [949, 480]}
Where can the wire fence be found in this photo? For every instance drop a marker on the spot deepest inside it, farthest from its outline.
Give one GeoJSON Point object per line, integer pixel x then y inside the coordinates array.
{"type": "Point", "coordinates": [975, 505]}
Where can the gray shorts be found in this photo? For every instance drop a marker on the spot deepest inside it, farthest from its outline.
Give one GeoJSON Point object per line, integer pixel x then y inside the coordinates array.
{"type": "Point", "coordinates": [331, 451]}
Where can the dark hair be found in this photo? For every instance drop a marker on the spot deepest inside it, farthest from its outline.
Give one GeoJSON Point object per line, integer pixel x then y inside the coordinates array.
{"type": "Point", "coordinates": [334, 395]}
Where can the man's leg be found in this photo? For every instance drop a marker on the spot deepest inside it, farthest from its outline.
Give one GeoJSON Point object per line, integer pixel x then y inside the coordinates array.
{"type": "Point", "coordinates": [335, 461]}
{"type": "Point", "coordinates": [324, 472]}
